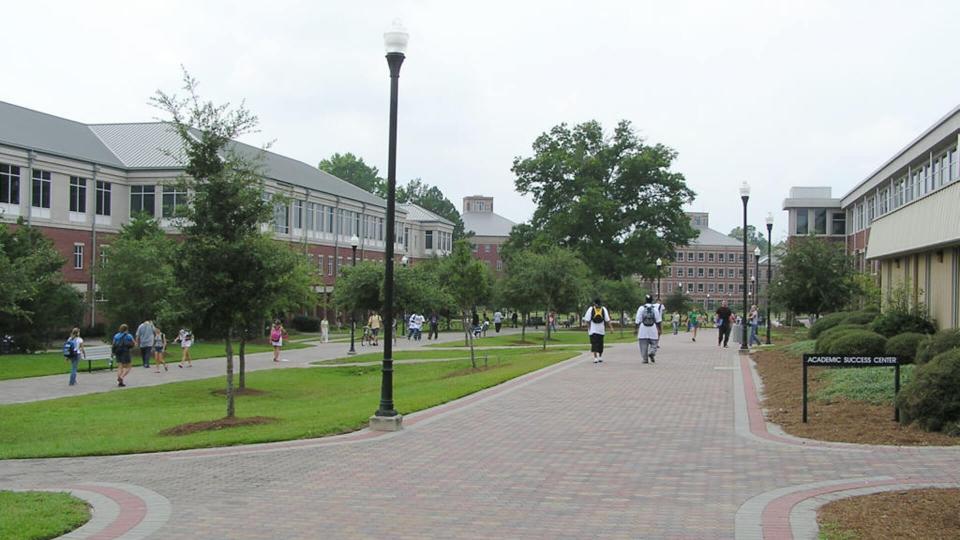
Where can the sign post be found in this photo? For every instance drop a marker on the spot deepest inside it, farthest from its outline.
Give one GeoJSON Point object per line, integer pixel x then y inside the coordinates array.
{"type": "Point", "coordinates": [850, 361]}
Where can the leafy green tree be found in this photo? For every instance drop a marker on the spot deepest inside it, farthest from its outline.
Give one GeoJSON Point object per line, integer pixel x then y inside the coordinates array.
{"type": "Point", "coordinates": [614, 200]}
{"type": "Point", "coordinates": [352, 169]}
{"type": "Point", "coordinates": [431, 198]}
{"type": "Point", "coordinates": [360, 288]}
{"type": "Point", "coordinates": [621, 296]}
{"type": "Point", "coordinates": [677, 302]}
{"type": "Point", "coordinates": [754, 238]}
{"type": "Point", "coordinates": [516, 290]}
{"type": "Point", "coordinates": [561, 278]}
{"type": "Point", "coordinates": [138, 279]}
{"type": "Point", "coordinates": [815, 277]}
{"type": "Point", "coordinates": [524, 236]}
{"type": "Point", "coordinates": [34, 299]}
{"type": "Point", "coordinates": [469, 284]}
{"type": "Point", "coordinates": [225, 216]}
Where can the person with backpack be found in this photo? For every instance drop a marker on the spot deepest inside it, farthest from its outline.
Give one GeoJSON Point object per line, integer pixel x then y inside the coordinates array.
{"type": "Point", "coordinates": [277, 334]}
{"type": "Point", "coordinates": [724, 325]}
{"type": "Point", "coordinates": [599, 318]}
{"type": "Point", "coordinates": [649, 321]}
{"type": "Point", "coordinates": [122, 343]}
{"type": "Point", "coordinates": [72, 352]}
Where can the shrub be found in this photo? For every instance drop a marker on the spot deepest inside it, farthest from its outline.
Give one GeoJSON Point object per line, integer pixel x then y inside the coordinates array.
{"type": "Point", "coordinates": [932, 398]}
{"type": "Point", "coordinates": [892, 323]}
{"type": "Point", "coordinates": [860, 317]}
{"type": "Point", "coordinates": [825, 323]}
{"type": "Point", "coordinates": [905, 346]}
{"type": "Point", "coordinates": [940, 342]}
{"type": "Point", "coordinates": [305, 323]}
{"type": "Point", "coordinates": [827, 337]}
{"type": "Point", "coordinates": [858, 342]}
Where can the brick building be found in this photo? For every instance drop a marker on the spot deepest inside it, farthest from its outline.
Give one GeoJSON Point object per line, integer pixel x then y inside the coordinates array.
{"type": "Point", "coordinates": [490, 230]}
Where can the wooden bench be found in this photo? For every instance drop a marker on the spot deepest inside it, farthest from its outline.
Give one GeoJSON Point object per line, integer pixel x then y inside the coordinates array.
{"type": "Point", "coordinates": [98, 352]}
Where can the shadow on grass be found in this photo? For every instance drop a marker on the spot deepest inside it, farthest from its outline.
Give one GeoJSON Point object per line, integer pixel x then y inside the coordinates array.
{"type": "Point", "coordinates": [216, 425]}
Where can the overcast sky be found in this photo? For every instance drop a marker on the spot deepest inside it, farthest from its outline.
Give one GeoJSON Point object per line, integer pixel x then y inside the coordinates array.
{"type": "Point", "coordinates": [777, 93]}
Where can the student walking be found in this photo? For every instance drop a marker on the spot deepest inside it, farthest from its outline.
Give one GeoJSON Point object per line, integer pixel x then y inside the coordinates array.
{"type": "Point", "coordinates": [675, 321]}
{"type": "Point", "coordinates": [497, 320]}
{"type": "Point", "coordinates": [693, 323]}
{"type": "Point", "coordinates": [754, 326]}
{"type": "Point", "coordinates": [72, 352]}
{"type": "Point", "coordinates": [375, 322]}
{"type": "Point", "coordinates": [513, 318]}
{"type": "Point", "coordinates": [122, 343]}
{"type": "Point", "coordinates": [324, 331]}
{"type": "Point", "coordinates": [277, 334]}
{"type": "Point", "coordinates": [649, 322]}
{"type": "Point", "coordinates": [185, 338]}
{"type": "Point", "coordinates": [599, 318]}
{"type": "Point", "coordinates": [144, 340]}
{"type": "Point", "coordinates": [159, 349]}
{"type": "Point", "coordinates": [434, 326]}
{"type": "Point", "coordinates": [724, 316]}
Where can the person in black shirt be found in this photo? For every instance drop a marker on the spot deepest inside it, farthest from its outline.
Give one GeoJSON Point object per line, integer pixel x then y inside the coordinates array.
{"type": "Point", "coordinates": [723, 323]}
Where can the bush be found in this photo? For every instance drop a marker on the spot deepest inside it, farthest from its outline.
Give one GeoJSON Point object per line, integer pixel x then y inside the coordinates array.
{"type": "Point", "coordinates": [304, 323]}
{"type": "Point", "coordinates": [860, 317]}
{"type": "Point", "coordinates": [892, 323]}
{"type": "Point", "coordinates": [905, 346]}
{"type": "Point", "coordinates": [932, 398]}
{"type": "Point", "coordinates": [825, 323]}
{"type": "Point", "coordinates": [940, 342]}
{"type": "Point", "coordinates": [858, 342]}
{"type": "Point", "coordinates": [827, 337]}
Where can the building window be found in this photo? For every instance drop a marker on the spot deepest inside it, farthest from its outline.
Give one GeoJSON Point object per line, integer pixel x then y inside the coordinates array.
{"type": "Point", "coordinates": [78, 194]}
{"type": "Point", "coordinates": [802, 226]}
{"type": "Point", "coordinates": [103, 198]}
{"type": "Point", "coordinates": [172, 199]}
{"type": "Point", "coordinates": [486, 248]}
{"type": "Point", "coordinates": [710, 257]}
{"type": "Point", "coordinates": [499, 265]}
{"type": "Point", "coordinates": [699, 287]}
{"type": "Point", "coordinates": [720, 287]}
{"type": "Point", "coordinates": [78, 256]}
{"type": "Point", "coordinates": [428, 240]}
{"type": "Point", "coordinates": [838, 224]}
{"type": "Point", "coordinates": [330, 263]}
{"type": "Point", "coordinates": [297, 214]}
{"type": "Point", "coordinates": [281, 218]}
{"type": "Point", "coordinates": [720, 257]}
{"type": "Point", "coordinates": [700, 257]}
{"type": "Point", "coordinates": [9, 184]}
{"type": "Point", "coordinates": [731, 272]}
{"type": "Point", "coordinates": [104, 254]}
{"type": "Point", "coordinates": [689, 287]}
{"type": "Point", "coordinates": [142, 199]}
{"type": "Point", "coordinates": [690, 256]}
{"type": "Point", "coordinates": [678, 256]}
{"type": "Point", "coordinates": [700, 272]}
{"type": "Point", "coordinates": [710, 272]}
{"type": "Point", "coordinates": [690, 271]}
{"type": "Point", "coordinates": [820, 221]}
{"type": "Point", "coordinates": [41, 189]}
{"type": "Point", "coordinates": [711, 287]}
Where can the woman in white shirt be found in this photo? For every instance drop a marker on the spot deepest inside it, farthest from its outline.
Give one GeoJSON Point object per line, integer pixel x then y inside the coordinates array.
{"type": "Point", "coordinates": [185, 338]}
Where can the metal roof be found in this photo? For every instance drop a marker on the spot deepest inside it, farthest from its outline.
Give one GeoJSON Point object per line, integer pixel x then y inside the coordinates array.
{"type": "Point", "coordinates": [710, 237]}
{"type": "Point", "coordinates": [419, 213]}
{"type": "Point", "coordinates": [33, 130]}
{"type": "Point", "coordinates": [486, 224]}
{"type": "Point", "coordinates": [152, 145]}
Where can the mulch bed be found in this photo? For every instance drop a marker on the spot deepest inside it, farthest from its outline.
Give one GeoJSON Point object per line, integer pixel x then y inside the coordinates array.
{"type": "Point", "coordinates": [214, 425]}
{"type": "Point", "coordinates": [240, 392]}
{"type": "Point", "coordinates": [920, 513]}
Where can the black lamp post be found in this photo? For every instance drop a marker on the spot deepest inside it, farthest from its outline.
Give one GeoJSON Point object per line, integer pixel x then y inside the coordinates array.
{"type": "Point", "coordinates": [659, 266]}
{"type": "Point", "coordinates": [354, 242]}
{"type": "Point", "coordinates": [769, 268]}
{"type": "Point", "coordinates": [756, 273]}
{"type": "Point", "coordinates": [386, 418]}
{"type": "Point", "coordinates": [744, 196]}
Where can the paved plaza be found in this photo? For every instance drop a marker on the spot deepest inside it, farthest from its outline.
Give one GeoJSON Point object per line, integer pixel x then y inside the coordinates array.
{"type": "Point", "coordinates": [676, 449]}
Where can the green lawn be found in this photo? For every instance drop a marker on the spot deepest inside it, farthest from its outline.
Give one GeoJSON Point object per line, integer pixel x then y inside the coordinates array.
{"type": "Point", "coordinates": [535, 337]}
{"type": "Point", "coordinates": [39, 515]}
{"type": "Point", "coordinates": [873, 385]}
{"type": "Point", "coordinates": [19, 366]}
{"type": "Point", "coordinates": [307, 402]}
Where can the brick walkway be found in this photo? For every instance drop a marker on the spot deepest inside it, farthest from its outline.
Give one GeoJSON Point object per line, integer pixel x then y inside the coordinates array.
{"type": "Point", "coordinates": [617, 450]}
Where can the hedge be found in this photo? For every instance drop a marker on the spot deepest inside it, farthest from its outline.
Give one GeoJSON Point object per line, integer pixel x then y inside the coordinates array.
{"type": "Point", "coordinates": [858, 342]}
{"type": "Point", "coordinates": [895, 322]}
{"type": "Point", "coordinates": [827, 337]}
{"type": "Point", "coordinates": [905, 346]}
{"type": "Point", "coordinates": [304, 323]}
{"type": "Point", "coordinates": [932, 398]}
{"type": "Point", "coordinates": [825, 323]}
{"type": "Point", "coordinates": [940, 342]}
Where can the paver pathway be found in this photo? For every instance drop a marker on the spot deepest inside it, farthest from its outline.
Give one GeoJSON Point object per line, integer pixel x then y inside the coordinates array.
{"type": "Point", "coordinates": [577, 450]}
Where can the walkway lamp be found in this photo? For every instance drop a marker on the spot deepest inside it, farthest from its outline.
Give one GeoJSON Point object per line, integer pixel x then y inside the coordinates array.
{"type": "Point", "coordinates": [744, 196]}
{"type": "Point", "coordinates": [386, 418]}
{"type": "Point", "coordinates": [659, 266]}
{"type": "Point", "coordinates": [354, 242]}
{"type": "Point", "coordinates": [769, 268]}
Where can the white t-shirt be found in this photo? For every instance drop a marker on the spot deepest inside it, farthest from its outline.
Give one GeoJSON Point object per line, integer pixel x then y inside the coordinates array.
{"type": "Point", "coordinates": [497, 317]}
{"type": "Point", "coordinates": [648, 332]}
{"type": "Point", "coordinates": [596, 328]}
{"type": "Point", "coordinates": [77, 342]}
{"type": "Point", "coordinates": [414, 322]}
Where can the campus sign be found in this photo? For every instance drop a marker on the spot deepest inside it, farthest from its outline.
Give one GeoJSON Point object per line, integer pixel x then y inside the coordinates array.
{"type": "Point", "coordinates": [851, 361]}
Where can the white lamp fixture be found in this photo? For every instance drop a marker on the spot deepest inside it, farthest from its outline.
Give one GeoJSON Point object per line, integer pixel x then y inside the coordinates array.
{"type": "Point", "coordinates": [756, 251]}
{"type": "Point", "coordinates": [744, 189]}
{"type": "Point", "coordinates": [395, 40]}
{"type": "Point", "coordinates": [659, 262]}
{"type": "Point", "coordinates": [354, 241]}
{"type": "Point", "coordinates": [404, 260]}
{"type": "Point", "coordinates": [770, 218]}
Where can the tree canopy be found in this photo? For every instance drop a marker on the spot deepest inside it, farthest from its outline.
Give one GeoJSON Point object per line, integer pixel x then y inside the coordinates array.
{"type": "Point", "coordinates": [431, 198]}
{"type": "Point", "coordinates": [815, 277]}
{"type": "Point", "coordinates": [754, 238]}
{"type": "Point", "coordinates": [352, 169]}
{"type": "Point", "coordinates": [614, 200]}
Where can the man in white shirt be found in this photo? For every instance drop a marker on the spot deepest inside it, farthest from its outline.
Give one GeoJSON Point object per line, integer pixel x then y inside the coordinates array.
{"type": "Point", "coordinates": [649, 320]}
{"type": "Point", "coordinates": [598, 317]}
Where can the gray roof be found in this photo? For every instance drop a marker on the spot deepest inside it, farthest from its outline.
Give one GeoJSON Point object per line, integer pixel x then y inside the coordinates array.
{"type": "Point", "coordinates": [487, 224]}
{"type": "Point", "coordinates": [419, 213]}
{"type": "Point", "coordinates": [150, 145]}
{"type": "Point", "coordinates": [710, 237]}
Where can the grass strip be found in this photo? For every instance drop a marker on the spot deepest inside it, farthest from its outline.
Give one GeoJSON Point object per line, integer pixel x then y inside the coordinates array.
{"type": "Point", "coordinates": [307, 403]}
{"type": "Point", "coordinates": [39, 515]}
{"type": "Point", "coordinates": [533, 338]}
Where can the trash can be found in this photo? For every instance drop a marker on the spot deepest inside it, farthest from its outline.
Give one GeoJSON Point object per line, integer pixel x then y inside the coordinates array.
{"type": "Point", "coordinates": [736, 335]}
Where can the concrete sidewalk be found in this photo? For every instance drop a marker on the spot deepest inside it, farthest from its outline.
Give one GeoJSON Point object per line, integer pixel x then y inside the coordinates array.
{"type": "Point", "coordinates": [676, 449]}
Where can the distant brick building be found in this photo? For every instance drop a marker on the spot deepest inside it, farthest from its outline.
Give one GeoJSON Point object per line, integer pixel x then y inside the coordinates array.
{"type": "Point", "coordinates": [490, 230]}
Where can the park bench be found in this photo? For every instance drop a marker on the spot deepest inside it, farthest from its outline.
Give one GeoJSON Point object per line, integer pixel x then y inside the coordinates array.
{"type": "Point", "coordinates": [98, 352]}
{"type": "Point", "coordinates": [535, 321]}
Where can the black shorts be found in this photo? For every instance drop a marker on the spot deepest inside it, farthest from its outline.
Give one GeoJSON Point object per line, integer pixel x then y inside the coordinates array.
{"type": "Point", "coordinates": [596, 343]}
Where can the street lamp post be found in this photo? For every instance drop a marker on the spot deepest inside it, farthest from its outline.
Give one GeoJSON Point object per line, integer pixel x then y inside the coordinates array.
{"type": "Point", "coordinates": [744, 196]}
{"type": "Point", "coordinates": [756, 272]}
{"type": "Point", "coordinates": [386, 418]}
{"type": "Point", "coordinates": [769, 268]}
{"type": "Point", "coordinates": [354, 242]}
{"type": "Point", "coordinates": [659, 266]}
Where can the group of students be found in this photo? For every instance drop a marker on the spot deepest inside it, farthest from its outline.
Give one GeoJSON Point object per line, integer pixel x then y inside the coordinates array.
{"type": "Point", "coordinates": [649, 320]}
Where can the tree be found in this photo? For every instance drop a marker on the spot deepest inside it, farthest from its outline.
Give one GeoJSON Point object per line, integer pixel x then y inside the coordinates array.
{"type": "Point", "coordinates": [676, 302]}
{"type": "Point", "coordinates": [468, 282]}
{"type": "Point", "coordinates": [431, 198]}
{"type": "Point", "coordinates": [613, 200]}
{"type": "Point", "coordinates": [138, 279]}
{"type": "Point", "coordinates": [352, 169]}
{"type": "Point", "coordinates": [561, 279]}
{"type": "Point", "coordinates": [524, 236]}
{"type": "Point", "coordinates": [225, 216]}
{"type": "Point", "coordinates": [753, 238]}
{"type": "Point", "coordinates": [621, 295]}
{"type": "Point", "coordinates": [815, 277]}
{"type": "Point", "coordinates": [34, 299]}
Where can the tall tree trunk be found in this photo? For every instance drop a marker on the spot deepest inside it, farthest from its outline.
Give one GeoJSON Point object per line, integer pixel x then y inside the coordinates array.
{"type": "Point", "coordinates": [622, 323]}
{"type": "Point", "coordinates": [473, 358]}
{"type": "Point", "coordinates": [546, 330]}
{"type": "Point", "coordinates": [243, 361]}
{"type": "Point", "coordinates": [230, 405]}
{"type": "Point", "coordinates": [523, 328]}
